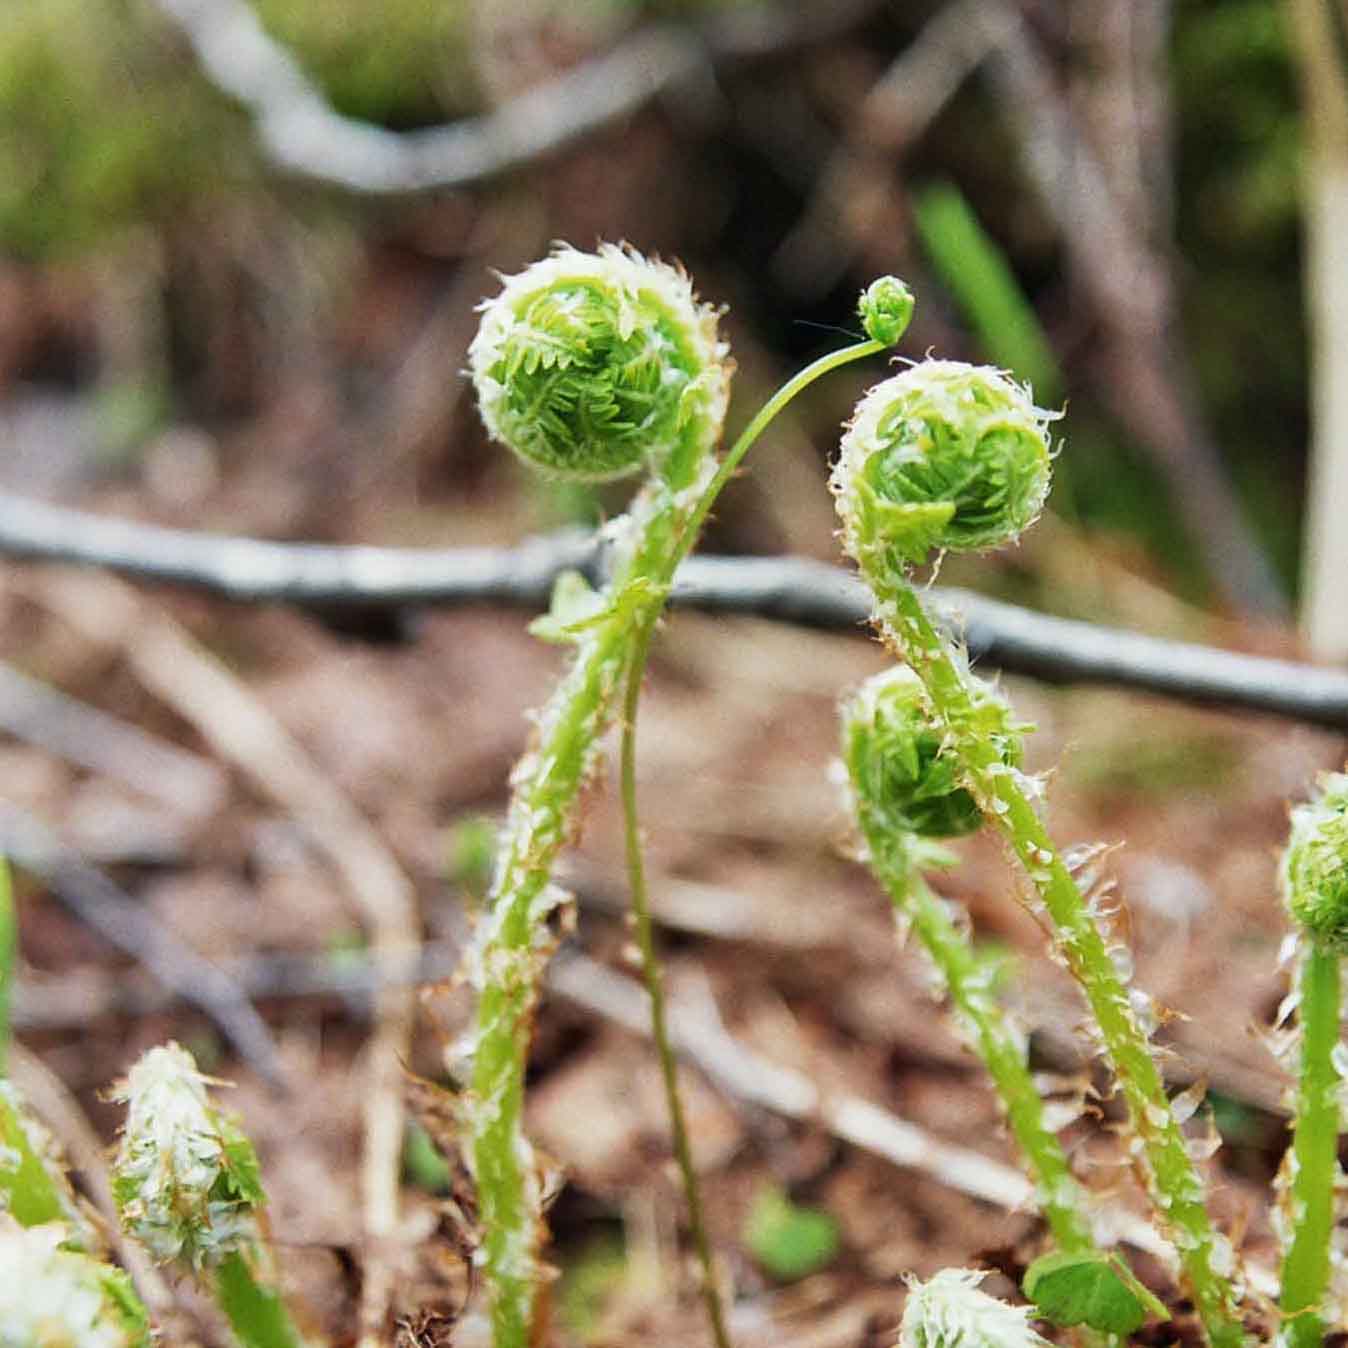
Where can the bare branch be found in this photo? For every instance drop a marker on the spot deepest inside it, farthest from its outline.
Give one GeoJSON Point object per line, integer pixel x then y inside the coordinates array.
{"type": "Point", "coordinates": [787, 589]}
{"type": "Point", "coordinates": [301, 131]}
{"type": "Point", "coordinates": [129, 925]}
{"type": "Point", "coordinates": [183, 782]}
{"type": "Point", "coordinates": [1131, 289]}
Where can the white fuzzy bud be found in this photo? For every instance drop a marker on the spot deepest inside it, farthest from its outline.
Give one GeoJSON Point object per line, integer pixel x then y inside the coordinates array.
{"type": "Point", "coordinates": [948, 1311]}
{"type": "Point", "coordinates": [52, 1297]}
{"type": "Point", "coordinates": [185, 1178]}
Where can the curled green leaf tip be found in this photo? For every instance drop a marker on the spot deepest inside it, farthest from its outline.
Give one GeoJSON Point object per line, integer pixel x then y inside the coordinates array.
{"type": "Point", "coordinates": [942, 456]}
{"type": "Point", "coordinates": [893, 754]}
{"type": "Point", "coordinates": [1315, 864]}
{"type": "Point", "coordinates": [949, 1311]}
{"type": "Point", "coordinates": [593, 365]}
{"type": "Point", "coordinates": [885, 309]}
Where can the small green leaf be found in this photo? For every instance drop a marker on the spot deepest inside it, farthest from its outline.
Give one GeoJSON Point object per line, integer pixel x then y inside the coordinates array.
{"type": "Point", "coordinates": [1075, 1289]}
{"type": "Point", "coordinates": [573, 608]}
{"type": "Point", "coordinates": [790, 1242]}
{"type": "Point", "coordinates": [423, 1164]}
{"type": "Point", "coordinates": [471, 851]}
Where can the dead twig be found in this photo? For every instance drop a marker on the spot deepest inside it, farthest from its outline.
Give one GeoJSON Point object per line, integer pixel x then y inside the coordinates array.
{"type": "Point", "coordinates": [229, 717]}
{"type": "Point", "coordinates": [302, 132]}
{"type": "Point", "coordinates": [788, 589]}
{"type": "Point", "coordinates": [123, 922]}
{"type": "Point", "coordinates": [42, 716]}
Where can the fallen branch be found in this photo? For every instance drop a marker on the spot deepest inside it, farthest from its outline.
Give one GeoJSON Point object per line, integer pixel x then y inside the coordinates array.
{"type": "Point", "coordinates": [302, 132]}
{"type": "Point", "coordinates": [183, 782]}
{"type": "Point", "coordinates": [793, 590]}
{"type": "Point", "coordinates": [129, 926]}
{"type": "Point", "coordinates": [199, 687]}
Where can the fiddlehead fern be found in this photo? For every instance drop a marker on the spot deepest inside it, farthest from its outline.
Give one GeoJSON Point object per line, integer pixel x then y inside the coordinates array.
{"type": "Point", "coordinates": [588, 365]}
{"type": "Point", "coordinates": [624, 314]}
{"type": "Point", "coordinates": [949, 456]}
{"type": "Point", "coordinates": [905, 795]}
{"type": "Point", "coordinates": [1314, 877]}
{"type": "Point", "coordinates": [593, 366]}
{"type": "Point", "coordinates": [944, 455]}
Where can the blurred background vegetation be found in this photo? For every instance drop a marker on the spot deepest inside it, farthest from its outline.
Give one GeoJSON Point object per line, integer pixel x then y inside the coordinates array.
{"type": "Point", "coordinates": [267, 351]}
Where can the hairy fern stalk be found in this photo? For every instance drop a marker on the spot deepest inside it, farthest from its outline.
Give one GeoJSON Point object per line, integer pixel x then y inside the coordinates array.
{"type": "Point", "coordinates": [947, 456]}
{"type": "Point", "coordinates": [590, 366]}
{"type": "Point", "coordinates": [1314, 876]}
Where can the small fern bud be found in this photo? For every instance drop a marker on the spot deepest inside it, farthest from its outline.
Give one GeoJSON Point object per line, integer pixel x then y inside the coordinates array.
{"type": "Point", "coordinates": [942, 456]}
{"type": "Point", "coordinates": [186, 1179]}
{"type": "Point", "coordinates": [949, 1311]}
{"type": "Point", "coordinates": [53, 1297]}
{"type": "Point", "coordinates": [593, 365]}
{"type": "Point", "coordinates": [893, 754]}
{"type": "Point", "coordinates": [1315, 864]}
{"type": "Point", "coordinates": [885, 309]}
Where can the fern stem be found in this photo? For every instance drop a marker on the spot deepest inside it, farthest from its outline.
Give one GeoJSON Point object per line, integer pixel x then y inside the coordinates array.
{"type": "Point", "coordinates": [1314, 1157]}
{"type": "Point", "coordinates": [653, 975]}
{"type": "Point", "coordinates": [255, 1311]}
{"type": "Point", "coordinates": [967, 981]}
{"type": "Point", "coordinates": [512, 944]}
{"type": "Point", "coordinates": [1177, 1191]}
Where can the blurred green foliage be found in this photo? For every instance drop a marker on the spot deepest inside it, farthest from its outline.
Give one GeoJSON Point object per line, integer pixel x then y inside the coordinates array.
{"type": "Point", "coordinates": [976, 271]}
{"type": "Point", "coordinates": [103, 124]}
{"type": "Point", "coordinates": [423, 1165]}
{"type": "Point", "coordinates": [589, 1282]}
{"type": "Point", "coordinates": [1238, 204]}
{"type": "Point", "coordinates": [401, 63]}
{"type": "Point", "coordinates": [789, 1241]}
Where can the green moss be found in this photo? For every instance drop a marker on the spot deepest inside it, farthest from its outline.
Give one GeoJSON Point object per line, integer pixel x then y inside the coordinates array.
{"type": "Point", "coordinates": [106, 123]}
{"type": "Point", "coordinates": [401, 63]}
{"type": "Point", "coordinates": [589, 1282]}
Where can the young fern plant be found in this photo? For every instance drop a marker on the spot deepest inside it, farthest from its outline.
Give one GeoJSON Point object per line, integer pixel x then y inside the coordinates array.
{"type": "Point", "coordinates": [589, 366]}
{"type": "Point", "coordinates": [904, 797]}
{"type": "Point", "coordinates": [947, 456]}
{"type": "Point", "coordinates": [904, 794]}
{"type": "Point", "coordinates": [189, 1189]}
{"type": "Point", "coordinates": [1314, 876]}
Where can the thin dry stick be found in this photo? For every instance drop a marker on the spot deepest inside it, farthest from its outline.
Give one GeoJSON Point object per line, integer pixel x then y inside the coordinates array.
{"type": "Point", "coordinates": [787, 589]}
{"type": "Point", "coordinates": [131, 927]}
{"type": "Point", "coordinates": [170, 663]}
{"type": "Point", "coordinates": [303, 133]}
{"type": "Point", "coordinates": [183, 782]}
